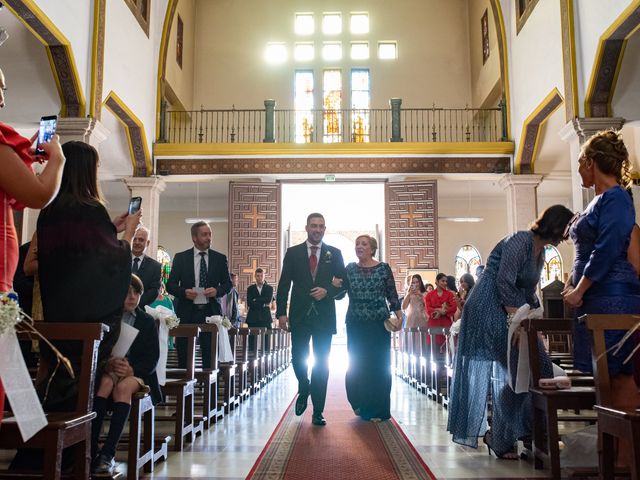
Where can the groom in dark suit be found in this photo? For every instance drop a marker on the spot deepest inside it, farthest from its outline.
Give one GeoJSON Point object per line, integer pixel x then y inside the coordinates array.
{"type": "Point", "coordinates": [310, 267]}
{"type": "Point", "coordinates": [199, 277]}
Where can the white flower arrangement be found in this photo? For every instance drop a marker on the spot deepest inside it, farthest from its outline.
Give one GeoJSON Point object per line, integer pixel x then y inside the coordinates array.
{"type": "Point", "coordinates": [13, 318]}
{"type": "Point", "coordinates": [171, 321]}
{"type": "Point", "coordinates": [226, 323]}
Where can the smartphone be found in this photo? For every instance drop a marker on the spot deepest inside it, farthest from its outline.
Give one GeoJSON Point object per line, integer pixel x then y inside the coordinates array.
{"type": "Point", "coordinates": [46, 132]}
{"type": "Point", "coordinates": [134, 204]}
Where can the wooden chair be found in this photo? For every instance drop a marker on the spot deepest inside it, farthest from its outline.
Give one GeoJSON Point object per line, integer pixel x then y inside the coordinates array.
{"type": "Point", "coordinates": [183, 389]}
{"type": "Point", "coordinates": [547, 403]}
{"type": "Point", "coordinates": [64, 429]}
{"type": "Point", "coordinates": [612, 422]}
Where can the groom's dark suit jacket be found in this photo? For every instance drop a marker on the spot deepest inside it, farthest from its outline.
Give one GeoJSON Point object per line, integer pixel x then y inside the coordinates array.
{"type": "Point", "coordinates": [149, 272]}
{"type": "Point", "coordinates": [303, 310]}
{"type": "Point", "coordinates": [183, 276]}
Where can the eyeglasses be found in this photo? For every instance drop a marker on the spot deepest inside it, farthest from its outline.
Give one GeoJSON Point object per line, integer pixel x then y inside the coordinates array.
{"type": "Point", "coordinates": [567, 229]}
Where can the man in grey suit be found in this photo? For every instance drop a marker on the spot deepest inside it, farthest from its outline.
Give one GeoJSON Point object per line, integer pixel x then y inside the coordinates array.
{"type": "Point", "coordinates": [310, 268]}
{"type": "Point", "coordinates": [148, 269]}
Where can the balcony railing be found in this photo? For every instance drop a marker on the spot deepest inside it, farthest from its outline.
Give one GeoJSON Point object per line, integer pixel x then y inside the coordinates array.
{"type": "Point", "coordinates": [334, 126]}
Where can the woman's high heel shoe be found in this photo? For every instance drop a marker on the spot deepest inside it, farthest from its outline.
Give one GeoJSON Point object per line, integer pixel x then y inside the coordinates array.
{"type": "Point", "coordinates": [512, 455]}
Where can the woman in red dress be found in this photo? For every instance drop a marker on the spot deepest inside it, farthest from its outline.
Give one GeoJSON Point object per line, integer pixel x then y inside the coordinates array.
{"type": "Point", "coordinates": [441, 305]}
{"type": "Point", "coordinates": [20, 188]}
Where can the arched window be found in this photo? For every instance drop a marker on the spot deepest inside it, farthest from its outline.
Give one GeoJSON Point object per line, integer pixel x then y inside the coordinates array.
{"type": "Point", "coordinates": [467, 259]}
{"type": "Point", "coordinates": [552, 266]}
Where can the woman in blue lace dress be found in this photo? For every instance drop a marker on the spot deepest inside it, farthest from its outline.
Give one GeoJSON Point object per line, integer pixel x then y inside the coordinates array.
{"type": "Point", "coordinates": [372, 291]}
{"type": "Point", "coordinates": [508, 282]}
{"type": "Point", "coordinates": [604, 281]}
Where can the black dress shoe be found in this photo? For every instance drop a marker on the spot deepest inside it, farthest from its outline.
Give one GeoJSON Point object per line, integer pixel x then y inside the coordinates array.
{"type": "Point", "coordinates": [301, 403]}
{"type": "Point", "coordinates": [318, 419]}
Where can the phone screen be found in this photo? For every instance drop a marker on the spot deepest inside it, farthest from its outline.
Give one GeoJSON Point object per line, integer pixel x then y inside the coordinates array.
{"type": "Point", "coordinates": [46, 132]}
{"type": "Point", "coordinates": [134, 205]}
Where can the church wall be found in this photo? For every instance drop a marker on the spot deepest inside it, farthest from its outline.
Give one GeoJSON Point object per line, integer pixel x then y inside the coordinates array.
{"type": "Point", "coordinates": [174, 234]}
{"type": "Point", "coordinates": [535, 62]}
{"type": "Point", "coordinates": [484, 77]}
{"type": "Point", "coordinates": [626, 101]}
{"type": "Point", "coordinates": [179, 78]}
{"type": "Point", "coordinates": [432, 64]}
{"type": "Point", "coordinates": [592, 19]}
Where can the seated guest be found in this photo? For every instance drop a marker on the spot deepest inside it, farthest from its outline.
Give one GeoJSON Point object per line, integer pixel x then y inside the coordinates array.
{"type": "Point", "coordinates": [230, 302]}
{"type": "Point", "coordinates": [148, 269]}
{"type": "Point", "coordinates": [123, 378]}
{"type": "Point", "coordinates": [259, 298]}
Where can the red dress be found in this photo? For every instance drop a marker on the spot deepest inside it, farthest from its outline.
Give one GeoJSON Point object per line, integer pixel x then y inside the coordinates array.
{"type": "Point", "coordinates": [433, 302]}
{"type": "Point", "coordinates": [9, 239]}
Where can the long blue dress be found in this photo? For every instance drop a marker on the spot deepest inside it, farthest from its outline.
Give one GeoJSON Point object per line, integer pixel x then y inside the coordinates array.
{"type": "Point", "coordinates": [510, 278]}
{"type": "Point", "coordinates": [601, 238]}
{"type": "Point", "coordinates": [368, 379]}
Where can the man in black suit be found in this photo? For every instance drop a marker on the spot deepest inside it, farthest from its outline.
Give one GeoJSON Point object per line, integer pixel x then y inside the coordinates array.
{"type": "Point", "coordinates": [146, 268]}
{"type": "Point", "coordinates": [310, 267]}
{"type": "Point", "coordinates": [199, 277]}
{"type": "Point", "coordinates": [230, 303]}
{"type": "Point", "coordinates": [259, 298]}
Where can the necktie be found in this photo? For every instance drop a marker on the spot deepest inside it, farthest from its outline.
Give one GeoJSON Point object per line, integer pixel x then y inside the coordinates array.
{"type": "Point", "coordinates": [313, 260]}
{"type": "Point", "coordinates": [136, 265]}
{"type": "Point", "coordinates": [203, 271]}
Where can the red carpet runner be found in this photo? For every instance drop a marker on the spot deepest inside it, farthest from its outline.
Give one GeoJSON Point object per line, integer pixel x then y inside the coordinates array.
{"type": "Point", "coordinates": [347, 448]}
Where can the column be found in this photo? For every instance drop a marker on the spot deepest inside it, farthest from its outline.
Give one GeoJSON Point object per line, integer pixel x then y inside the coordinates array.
{"type": "Point", "coordinates": [575, 133]}
{"type": "Point", "coordinates": [83, 129]}
{"type": "Point", "coordinates": [149, 188]}
{"type": "Point", "coordinates": [522, 202]}
{"type": "Point", "coordinates": [396, 127]}
{"type": "Point", "coordinates": [269, 121]}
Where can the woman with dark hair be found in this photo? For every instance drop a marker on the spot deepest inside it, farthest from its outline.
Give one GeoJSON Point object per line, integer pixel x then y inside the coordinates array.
{"type": "Point", "coordinates": [604, 280]}
{"type": "Point", "coordinates": [413, 303]}
{"type": "Point", "coordinates": [84, 269]}
{"type": "Point", "coordinates": [451, 283]}
{"type": "Point", "coordinates": [441, 305]}
{"type": "Point", "coordinates": [466, 284]}
{"type": "Point", "coordinates": [508, 282]}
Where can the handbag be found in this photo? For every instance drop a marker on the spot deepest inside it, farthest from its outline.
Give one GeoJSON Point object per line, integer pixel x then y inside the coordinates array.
{"type": "Point", "coordinates": [393, 324]}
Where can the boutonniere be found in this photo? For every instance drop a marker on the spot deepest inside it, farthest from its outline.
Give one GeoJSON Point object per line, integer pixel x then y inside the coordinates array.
{"type": "Point", "coordinates": [327, 256]}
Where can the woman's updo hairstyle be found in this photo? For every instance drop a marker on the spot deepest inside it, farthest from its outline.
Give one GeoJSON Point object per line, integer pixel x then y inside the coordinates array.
{"type": "Point", "coordinates": [608, 151]}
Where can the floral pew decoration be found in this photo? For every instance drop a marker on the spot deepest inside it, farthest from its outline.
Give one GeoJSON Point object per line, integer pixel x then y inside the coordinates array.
{"type": "Point", "coordinates": [167, 320]}
{"type": "Point", "coordinates": [15, 380]}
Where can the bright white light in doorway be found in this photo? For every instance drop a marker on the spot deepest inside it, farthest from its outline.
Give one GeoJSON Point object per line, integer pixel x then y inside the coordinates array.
{"type": "Point", "coordinates": [462, 219]}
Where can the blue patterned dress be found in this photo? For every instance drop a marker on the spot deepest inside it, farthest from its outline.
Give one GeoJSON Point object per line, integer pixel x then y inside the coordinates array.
{"type": "Point", "coordinates": [368, 379]}
{"type": "Point", "coordinates": [509, 279]}
{"type": "Point", "coordinates": [601, 238]}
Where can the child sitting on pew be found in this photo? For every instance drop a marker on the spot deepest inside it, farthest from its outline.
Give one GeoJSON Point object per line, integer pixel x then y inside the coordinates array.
{"type": "Point", "coordinates": [123, 378]}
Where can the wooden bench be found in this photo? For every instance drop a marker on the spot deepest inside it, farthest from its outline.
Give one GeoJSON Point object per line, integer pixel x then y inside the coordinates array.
{"type": "Point", "coordinates": [227, 380]}
{"type": "Point", "coordinates": [64, 429]}
{"type": "Point", "coordinates": [255, 357]}
{"type": "Point", "coordinates": [547, 403]}
{"type": "Point", "coordinates": [207, 382]}
{"type": "Point", "coordinates": [438, 373]}
{"type": "Point", "coordinates": [241, 339]}
{"type": "Point", "coordinates": [612, 422]}
{"type": "Point", "coordinates": [183, 389]}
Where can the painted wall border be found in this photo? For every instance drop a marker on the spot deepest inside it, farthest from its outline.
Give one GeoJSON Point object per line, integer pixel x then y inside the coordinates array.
{"type": "Point", "coordinates": [135, 134]}
{"type": "Point", "coordinates": [97, 58]}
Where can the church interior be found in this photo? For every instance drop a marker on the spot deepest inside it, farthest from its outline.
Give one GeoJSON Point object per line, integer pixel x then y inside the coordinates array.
{"type": "Point", "coordinates": [436, 126]}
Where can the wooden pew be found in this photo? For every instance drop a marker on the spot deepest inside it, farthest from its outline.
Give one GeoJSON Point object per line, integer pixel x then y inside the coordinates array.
{"type": "Point", "coordinates": [183, 389]}
{"type": "Point", "coordinates": [241, 339]}
{"type": "Point", "coordinates": [208, 382]}
{"type": "Point", "coordinates": [64, 429]}
{"type": "Point", "coordinates": [547, 403]}
{"type": "Point", "coordinates": [612, 422]}
{"type": "Point", "coordinates": [227, 380]}
{"type": "Point", "coordinates": [413, 347]}
{"type": "Point", "coordinates": [438, 372]}
{"type": "Point", "coordinates": [255, 356]}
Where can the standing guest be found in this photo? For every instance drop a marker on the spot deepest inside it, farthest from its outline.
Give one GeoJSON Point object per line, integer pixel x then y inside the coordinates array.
{"type": "Point", "coordinates": [466, 284]}
{"type": "Point", "coordinates": [441, 305]}
{"type": "Point", "coordinates": [230, 303]}
{"type": "Point", "coordinates": [310, 267]}
{"type": "Point", "coordinates": [198, 278]}
{"type": "Point", "coordinates": [79, 252]}
{"type": "Point", "coordinates": [123, 378]}
{"type": "Point", "coordinates": [413, 304]}
{"type": "Point", "coordinates": [148, 269]}
{"type": "Point", "coordinates": [372, 292]}
{"type": "Point", "coordinates": [20, 188]}
{"type": "Point", "coordinates": [604, 281]}
{"type": "Point", "coordinates": [259, 298]}
{"type": "Point", "coordinates": [508, 282]}
{"type": "Point", "coordinates": [428, 287]}
{"type": "Point", "coordinates": [451, 284]}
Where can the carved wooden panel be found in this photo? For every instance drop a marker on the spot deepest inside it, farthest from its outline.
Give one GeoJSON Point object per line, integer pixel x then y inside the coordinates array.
{"type": "Point", "coordinates": [254, 232]}
{"type": "Point", "coordinates": [412, 227]}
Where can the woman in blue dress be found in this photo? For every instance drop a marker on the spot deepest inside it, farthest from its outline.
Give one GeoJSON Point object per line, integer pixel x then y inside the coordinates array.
{"type": "Point", "coordinates": [372, 291]}
{"type": "Point", "coordinates": [508, 282]}
{"type": "Point", "coordinates": [604, 281]}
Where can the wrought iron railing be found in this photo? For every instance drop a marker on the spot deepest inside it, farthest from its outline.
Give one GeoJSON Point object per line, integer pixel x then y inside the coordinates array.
{"type": "Point", "coordinates": [334, 126]}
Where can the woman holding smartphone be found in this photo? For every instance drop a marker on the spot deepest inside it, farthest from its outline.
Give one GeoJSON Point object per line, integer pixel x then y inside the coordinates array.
{"type": "Point", "coordinates": [413, 304]}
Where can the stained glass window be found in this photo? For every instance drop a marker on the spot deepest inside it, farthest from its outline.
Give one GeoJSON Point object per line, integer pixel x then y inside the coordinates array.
{"type": "Point", "coordinates": [165, 261]}
{"type": "Point", "coordinates": [552, 266]}
{"type": "Point", "coordinates": [331, 106]}
{"type": "Point", "coordinates": [360, 101]}
{"type": "Point", "coordinates": [467, 260]}
{"type": "Point", "coordinates": [303, 105]}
